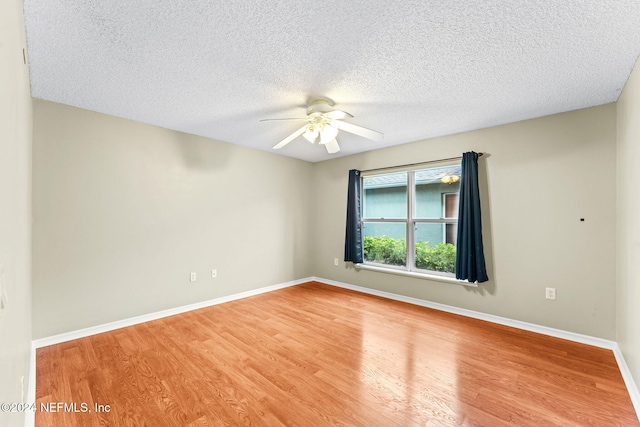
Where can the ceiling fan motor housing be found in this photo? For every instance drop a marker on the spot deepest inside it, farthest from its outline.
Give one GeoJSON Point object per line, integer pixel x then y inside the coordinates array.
{"type": "Point", "coordinates": [320, 106]}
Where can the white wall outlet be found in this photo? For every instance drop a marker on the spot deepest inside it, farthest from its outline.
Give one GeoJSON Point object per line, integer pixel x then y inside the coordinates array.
{"type": "Point", "coordinates": [335, 261]}
{"type": "Point", "coordinates": [550, 293]}
{"type": "Point", "coordinates": [214, 273]}
{"type": "Point", "coordinates": [193, 277]}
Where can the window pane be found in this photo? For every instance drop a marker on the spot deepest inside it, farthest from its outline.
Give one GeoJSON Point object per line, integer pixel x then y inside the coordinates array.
{"type": "Point", "coordinates": [385, 196]}
{"type": "Point", "coordinates": [451, 205]}
{"type": "Point", "coordinates": [385, 242]}
{"type": "Point", "coordinates": [432, 250]}
{"type": "Point", "coordinates": [435, 188]}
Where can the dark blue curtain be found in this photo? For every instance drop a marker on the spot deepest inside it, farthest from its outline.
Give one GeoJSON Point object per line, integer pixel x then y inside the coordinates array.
{"type": "Point", "coordinates": [470, 263]}
{"type": "Point", "coordinates": [353, 235]}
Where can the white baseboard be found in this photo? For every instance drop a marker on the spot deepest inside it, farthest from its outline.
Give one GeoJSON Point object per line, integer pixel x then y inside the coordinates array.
{"type": "Point", "coordinates": [106, 327]}
{"type": "Point", "coordinates": [558, 333]}
{"type": "Point", "coordinates": [628, 379]}
{"type": "Point", "coordinates": [631, 385]}
{"type": "Point", "coordinates": [30, 416]}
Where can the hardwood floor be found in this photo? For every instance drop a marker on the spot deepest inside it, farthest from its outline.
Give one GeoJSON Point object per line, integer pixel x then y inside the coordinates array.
{"type": "Point", "coordinates": [316, 355]}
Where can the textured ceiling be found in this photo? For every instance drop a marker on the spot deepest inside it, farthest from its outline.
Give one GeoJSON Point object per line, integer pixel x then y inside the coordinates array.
{"type": "Point", "coordinates": [412, 69]}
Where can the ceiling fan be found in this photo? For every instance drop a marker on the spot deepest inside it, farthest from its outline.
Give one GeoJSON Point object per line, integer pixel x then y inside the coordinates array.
{"type": "Point", "coordinates": [323, 124]}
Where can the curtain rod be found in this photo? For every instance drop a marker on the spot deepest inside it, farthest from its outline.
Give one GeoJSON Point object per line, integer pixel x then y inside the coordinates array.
{"type": "Point", "coordinates": [415, 164]}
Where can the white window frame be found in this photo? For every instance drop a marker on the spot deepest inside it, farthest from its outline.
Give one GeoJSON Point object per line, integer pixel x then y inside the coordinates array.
{"type": "Point", "coordinates": [444, 211]}
{"type": "Point", "coordinates": [411, 224]}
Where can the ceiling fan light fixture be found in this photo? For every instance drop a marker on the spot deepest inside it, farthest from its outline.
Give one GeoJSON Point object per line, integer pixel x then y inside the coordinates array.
{"type": "Point", "coordinates": [328, 133]}
{"type": "Point", "coordinates": [311, 134]}
{"type": "Point", "coordinates": [323, 124]}
{"type": "Point", "coordinates": [450, 179]}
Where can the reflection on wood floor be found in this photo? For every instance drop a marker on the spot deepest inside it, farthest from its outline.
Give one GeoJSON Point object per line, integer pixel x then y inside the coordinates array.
{"type": "Point", "coordinates": [317, 355]}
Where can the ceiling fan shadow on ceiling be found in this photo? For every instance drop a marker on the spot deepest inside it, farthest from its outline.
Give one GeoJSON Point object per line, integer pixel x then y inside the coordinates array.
{"type": "Point", "coordinates": [323, 124]}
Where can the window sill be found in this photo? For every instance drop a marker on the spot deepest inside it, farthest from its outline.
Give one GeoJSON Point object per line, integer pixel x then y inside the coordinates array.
{"type": "Point", "coordinates": [434, 277]}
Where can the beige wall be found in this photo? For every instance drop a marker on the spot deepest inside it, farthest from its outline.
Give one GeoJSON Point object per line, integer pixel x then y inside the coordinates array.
{"type": "Point", "coordinates": [538, 179]}
{"type": "Point", "coordinates": [124, 211]}
{"type": "Point", "coordinates": [15, 208]}
{"type": "Point", "coordinates": [628, 289]}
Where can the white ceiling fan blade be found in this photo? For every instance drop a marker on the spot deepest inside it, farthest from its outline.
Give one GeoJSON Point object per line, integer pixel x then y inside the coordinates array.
{"type": "Point", "coordinates": [332, 146]}
{"type": "Point", "coordinates": [358, 130]}
{"type": "Point", "coordinates": [338, 114]}
{"type": "Point", "coordinates": [290, 138]}
{"type": "Point", "coordinates": [293, 118]}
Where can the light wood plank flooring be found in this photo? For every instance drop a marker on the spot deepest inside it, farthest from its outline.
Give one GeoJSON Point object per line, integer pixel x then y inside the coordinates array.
{"type": "Point", "coordinates": [317, 355]}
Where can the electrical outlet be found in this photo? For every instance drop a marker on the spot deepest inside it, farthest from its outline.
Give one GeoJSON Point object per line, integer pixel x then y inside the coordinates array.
{"type": "Point", "coordinates": [193, 277]}
{"type": "Point", "coordinates": [214, 273]}
{"type": "Point", "coordinates": [550, 293]}
{"type": "Point", "coordinates": [335, 261]}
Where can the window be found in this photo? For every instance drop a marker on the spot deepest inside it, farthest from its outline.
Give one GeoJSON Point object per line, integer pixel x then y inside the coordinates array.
{"type": "Point", "coordinates": [450, 205]}
{"type": "Point", "coordinates": [410, 219]}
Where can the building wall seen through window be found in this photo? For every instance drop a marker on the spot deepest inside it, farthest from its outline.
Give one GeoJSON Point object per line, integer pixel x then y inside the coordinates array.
{"type": "Point", "coordinates": [391, 202]}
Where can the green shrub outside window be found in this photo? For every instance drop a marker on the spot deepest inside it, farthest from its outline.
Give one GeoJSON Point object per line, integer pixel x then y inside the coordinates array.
{"type": "Point", "coordinates": [387, 250]}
